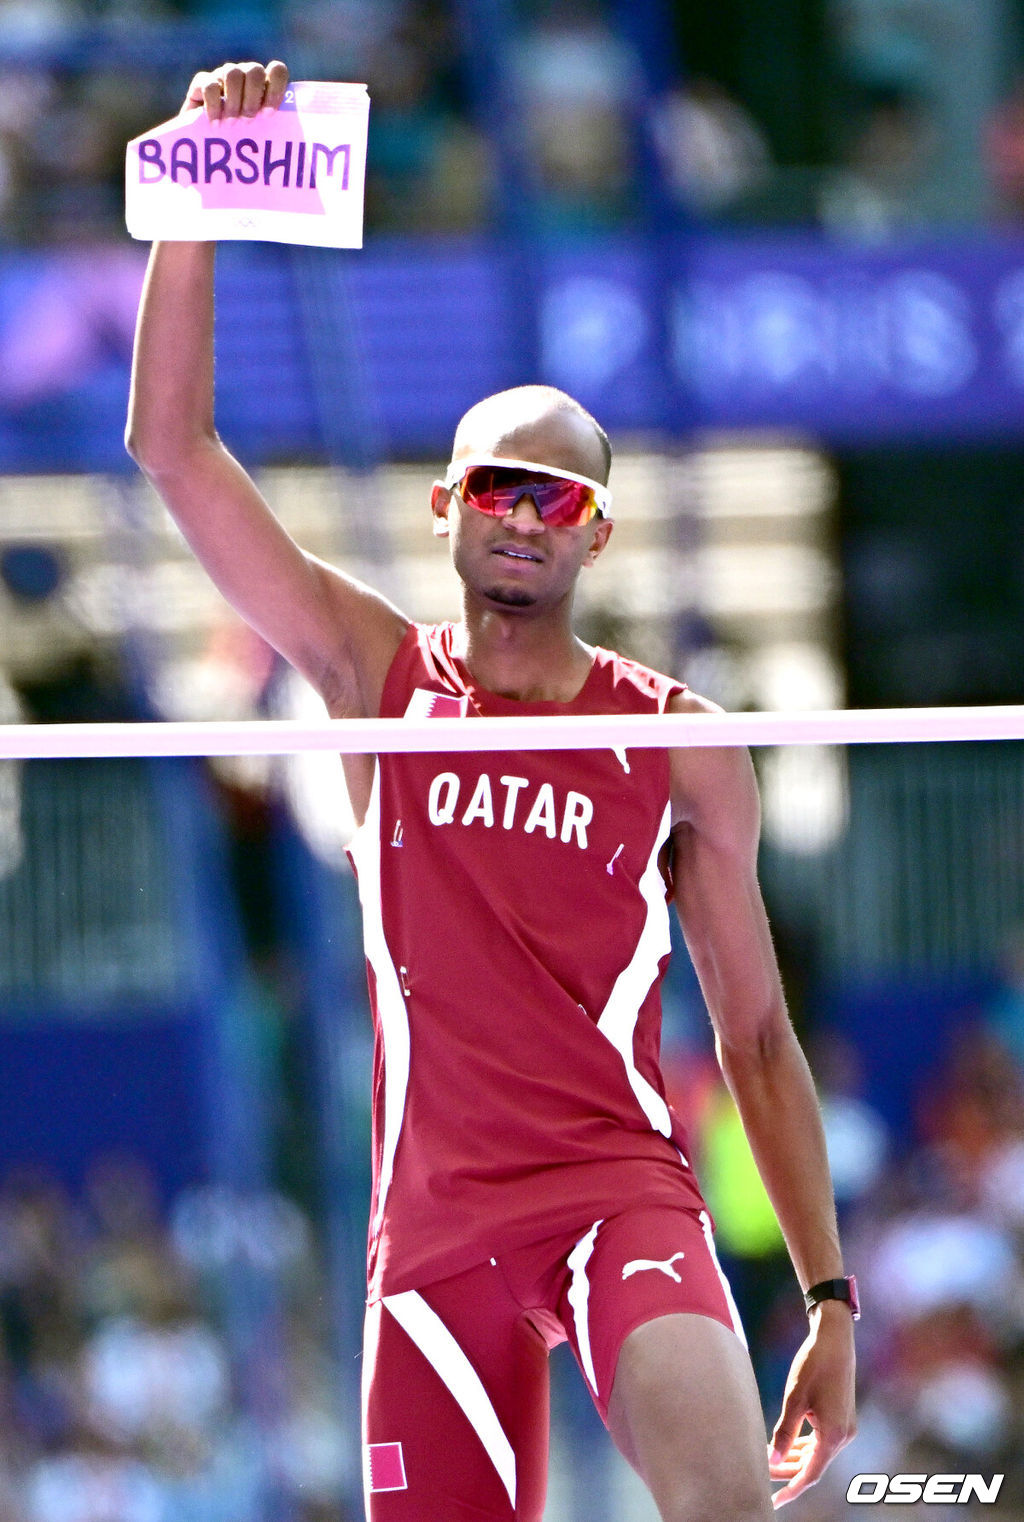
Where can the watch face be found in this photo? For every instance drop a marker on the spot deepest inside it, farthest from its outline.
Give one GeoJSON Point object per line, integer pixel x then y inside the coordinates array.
{"type": "Point", "coordinates": [854, 1296]}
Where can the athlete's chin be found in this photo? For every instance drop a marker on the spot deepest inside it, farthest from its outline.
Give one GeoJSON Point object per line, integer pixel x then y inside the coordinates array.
{"type": "Point", "coordinates": [509, 597]}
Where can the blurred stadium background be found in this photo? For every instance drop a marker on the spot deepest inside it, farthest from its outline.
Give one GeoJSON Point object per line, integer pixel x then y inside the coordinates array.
{"type": "Point", "coordinates": [778, 248]}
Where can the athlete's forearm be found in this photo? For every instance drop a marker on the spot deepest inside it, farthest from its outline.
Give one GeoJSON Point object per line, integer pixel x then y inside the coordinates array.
{"type": "Point", "coordinates": [170, 410]}
{"type": "Point", "coordinates": [774, 1093]}
{"type": "Point", "coordinates": [726, 928]}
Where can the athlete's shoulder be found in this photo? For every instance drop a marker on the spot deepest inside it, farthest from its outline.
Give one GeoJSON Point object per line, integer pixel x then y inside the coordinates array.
{"type": "Point", "coordinates": [688, 701]}
{"type": "Point", "coordinates": [625, 677]}
{"type": "Point", "coordinates": [424, 659]}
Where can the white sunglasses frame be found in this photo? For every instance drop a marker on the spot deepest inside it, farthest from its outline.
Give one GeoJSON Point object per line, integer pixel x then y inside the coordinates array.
{"type": "Point", "coordinates": [458, 468]}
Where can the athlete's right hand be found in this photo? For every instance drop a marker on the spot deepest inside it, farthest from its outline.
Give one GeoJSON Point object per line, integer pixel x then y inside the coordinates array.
{"type": "Point", "coordinates": [238, 89]}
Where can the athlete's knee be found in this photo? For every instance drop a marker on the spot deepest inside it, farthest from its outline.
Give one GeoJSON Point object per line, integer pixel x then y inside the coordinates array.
{"type": "Point", "coordinates": [699, 1502]}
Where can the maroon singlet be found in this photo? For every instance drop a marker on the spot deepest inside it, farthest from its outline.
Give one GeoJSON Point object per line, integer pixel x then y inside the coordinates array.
{"type": "Point", "coordinates": [516, 933]}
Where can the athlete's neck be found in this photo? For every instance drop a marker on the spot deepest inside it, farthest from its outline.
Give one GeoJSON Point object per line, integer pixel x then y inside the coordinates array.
{"type": "Point", "coordinates": [526, 659]}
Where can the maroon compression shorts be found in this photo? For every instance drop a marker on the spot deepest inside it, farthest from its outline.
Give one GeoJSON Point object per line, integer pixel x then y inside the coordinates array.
{"type": "Point", "coordinates": [455, 1381]}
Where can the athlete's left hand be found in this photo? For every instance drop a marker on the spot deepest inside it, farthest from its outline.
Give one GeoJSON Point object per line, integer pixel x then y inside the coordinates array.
{"type": "Point", "coordinates": [820, 1392]}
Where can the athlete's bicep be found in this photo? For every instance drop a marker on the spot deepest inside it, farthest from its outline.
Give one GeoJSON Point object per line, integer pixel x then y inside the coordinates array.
{"type": "Point", "coordinates": [716, 890]}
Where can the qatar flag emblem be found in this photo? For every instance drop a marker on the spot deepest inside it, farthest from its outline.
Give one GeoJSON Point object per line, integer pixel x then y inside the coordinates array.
{"type": "Point", "coordinates": [385, 1467]}
{"type": "Point", "coordinates": [427, 704]}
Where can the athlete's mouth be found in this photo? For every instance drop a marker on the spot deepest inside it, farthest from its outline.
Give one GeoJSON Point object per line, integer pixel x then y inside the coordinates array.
{"type": "Point", "coordinates": [513, 552]}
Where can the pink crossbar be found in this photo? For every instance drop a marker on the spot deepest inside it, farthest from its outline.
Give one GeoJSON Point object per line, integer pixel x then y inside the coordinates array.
{"type": "Point", "coordinates": [275, 737]}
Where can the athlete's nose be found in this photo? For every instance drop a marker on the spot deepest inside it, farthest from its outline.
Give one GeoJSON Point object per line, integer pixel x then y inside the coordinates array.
{"type": "Point", "coordinates": [525, 516]}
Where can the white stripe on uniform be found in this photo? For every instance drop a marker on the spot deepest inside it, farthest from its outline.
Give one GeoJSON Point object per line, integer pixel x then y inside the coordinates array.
{"type": "Point", "coordinates": [426, 1329]}
{"type": "Point", "coordinates": [619, 1017]}
{"type": "Point", "coordinates": [365, 848]}
{"type": "Point", "coordinates": [579, 1299]}
{"type": "Point", "coordinates": [737, 1324]}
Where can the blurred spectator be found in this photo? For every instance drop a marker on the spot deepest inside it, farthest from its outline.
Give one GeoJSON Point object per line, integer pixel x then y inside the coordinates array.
{"type": "Point", "coordinates": [1004, 1010]}
{"type": "Point", "coordinates": [121, 1399]}
{"type": "Point", "coordinates": [713, 152]}
{"type": "Point", "coordinates": [427, 170]}
{"type": "Point", "coordinates": [938, 1258]}
{"type": "Point", "coordinates": [1004, 155]}
{"type": "Point", "coordinates": [941, 1257]}
{"type": "Point", "coordinates": [129, 1269]}
{"type": "Point", "coordinates": [63, 131]}
{"type": "Point", "coordinates": [39, 1256]}
{"type": "Point", "coordinates": [975, 1107]}
{"type": "Point", "coordinates": [882, 186]}
{"type": "Point", "coordinates": [947, 1290]}
{"type": "Point", "coordinates": [25, 96]}
{"type": "Point", "coordinates": [29, 22]}
{"type": "Point", "coordinates": [342, 39]}
{"type": "Point", "coordinates": [428, 167]}
{"type": "Point", "coordinates": [154, 1383]}
{"type": "Point", "coordinates": [576, 84]}
{"type": "Point", "coordinates": [857, 1137]}
{"type": "Point", "coordinates": [213, 1229]}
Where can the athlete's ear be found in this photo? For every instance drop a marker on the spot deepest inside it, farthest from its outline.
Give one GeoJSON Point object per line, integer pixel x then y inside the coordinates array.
{"type": "Point", "coordinates": [440, 499]}
{"type": "Point", "coordinates": [602, 533]}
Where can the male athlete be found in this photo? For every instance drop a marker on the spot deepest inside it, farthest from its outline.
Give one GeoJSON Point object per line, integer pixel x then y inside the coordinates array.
{"type": "Point", "coordinates": [531, 1185]}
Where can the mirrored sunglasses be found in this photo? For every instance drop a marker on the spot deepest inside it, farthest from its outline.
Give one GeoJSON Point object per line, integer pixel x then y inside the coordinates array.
{"type": "Point", "coordinates": [494, 486]}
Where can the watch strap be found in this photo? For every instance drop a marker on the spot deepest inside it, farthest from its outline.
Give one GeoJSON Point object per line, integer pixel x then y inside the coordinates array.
{"type": "Point", "coordinates": [835, 1289]}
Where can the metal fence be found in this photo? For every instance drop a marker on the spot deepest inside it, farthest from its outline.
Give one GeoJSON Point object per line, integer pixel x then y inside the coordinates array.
{"type": "Point", "coordinates": [86, 912]}
{"type": "Point", "coordinates": [928, 875]}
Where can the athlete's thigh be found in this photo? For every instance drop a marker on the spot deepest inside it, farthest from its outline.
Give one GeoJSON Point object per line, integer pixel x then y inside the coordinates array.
{"type": "Point", "coordinates": [645, 1262]}
{"type": "Point", "coordinates": [685, 1412]}
{"type": "Point", "coordinates": [455, 1405]}
{"type": "Point", "coordinates": [656, 1333]}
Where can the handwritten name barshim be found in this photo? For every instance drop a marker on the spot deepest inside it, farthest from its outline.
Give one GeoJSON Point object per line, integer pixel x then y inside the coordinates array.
{"type": "Point", "coordinates": [225, 162]}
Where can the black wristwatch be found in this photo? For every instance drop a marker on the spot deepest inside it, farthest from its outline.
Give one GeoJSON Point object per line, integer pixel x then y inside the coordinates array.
{"type": "Point", "coordinates": [834, 1289]}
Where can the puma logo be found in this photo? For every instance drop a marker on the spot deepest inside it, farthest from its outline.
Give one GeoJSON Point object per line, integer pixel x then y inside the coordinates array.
{"type": "Point", "coordinates": [640, 1265]}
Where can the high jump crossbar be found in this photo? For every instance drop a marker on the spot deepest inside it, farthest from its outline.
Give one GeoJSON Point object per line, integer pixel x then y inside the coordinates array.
{"type": "Point", "coordinates": [276, 737]}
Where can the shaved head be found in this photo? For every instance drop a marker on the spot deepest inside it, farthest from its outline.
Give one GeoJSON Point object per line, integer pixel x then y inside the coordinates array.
{"type": "Point", "coordinates": [538, 423]}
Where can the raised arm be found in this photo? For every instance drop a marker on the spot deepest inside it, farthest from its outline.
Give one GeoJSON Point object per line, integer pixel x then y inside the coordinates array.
{"type": "Point", "coordinates": [339, 634]}
{"type": "Point", "coordinates": [720, 908]}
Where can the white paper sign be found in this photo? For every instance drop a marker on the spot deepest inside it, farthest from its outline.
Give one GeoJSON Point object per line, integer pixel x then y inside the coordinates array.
{"type": "Point", "coordinates": [294, 175]}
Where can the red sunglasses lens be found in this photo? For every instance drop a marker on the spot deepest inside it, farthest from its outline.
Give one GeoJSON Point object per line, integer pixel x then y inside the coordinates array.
{"type": "Point", "coordinates": [561, 503]}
